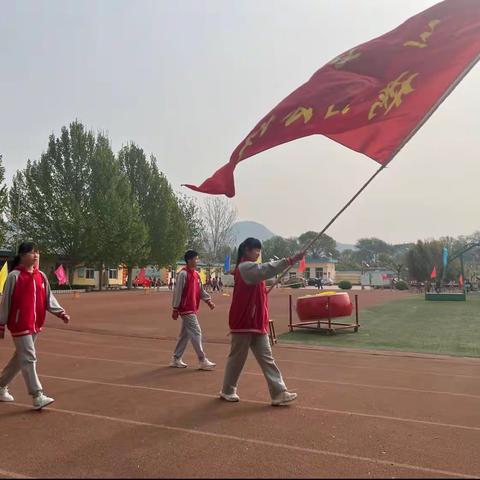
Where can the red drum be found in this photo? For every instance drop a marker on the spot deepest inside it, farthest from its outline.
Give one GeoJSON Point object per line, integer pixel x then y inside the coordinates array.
{"type": "Point", "coordinates": [314, 307]}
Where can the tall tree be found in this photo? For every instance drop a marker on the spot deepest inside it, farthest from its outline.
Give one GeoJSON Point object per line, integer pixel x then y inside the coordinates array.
{"type": "Point", "coordinates": [279, 247]}
{"type": "Point", "coordinates": [369, 250]}
{"type": "Point", "coordinates": [160, 208]}
{"type": "Point", "coordinates": [49, 198]}
{"type": "Point", "coordinates": [219, 215]}
{"type": "Point", "coordinates": [194, 221]}
{"type": "Point", "coordinates": [3, 203]}
{"type": "Point", "coordinates": [325, 246]}
{"type": "Point", "coordinates": [116, 231]}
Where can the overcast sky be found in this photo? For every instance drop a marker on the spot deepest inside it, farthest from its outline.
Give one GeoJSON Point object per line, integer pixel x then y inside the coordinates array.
{"type": "Point", "coordinates": [188, 79]}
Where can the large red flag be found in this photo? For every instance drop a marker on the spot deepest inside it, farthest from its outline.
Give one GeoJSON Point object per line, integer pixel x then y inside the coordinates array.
{"type": "Point", "coordinates": [302, 265]}
{"type": "Point", "coordinates": [374, 97]}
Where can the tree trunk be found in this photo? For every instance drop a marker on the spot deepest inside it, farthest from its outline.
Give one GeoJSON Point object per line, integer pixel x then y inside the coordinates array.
{"type": "Point", "coordinates": [129, 277]}
{"type": "Point", "coordinates": [100, 277]}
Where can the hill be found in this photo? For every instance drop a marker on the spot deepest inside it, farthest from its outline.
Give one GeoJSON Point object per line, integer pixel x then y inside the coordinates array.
{"type": "Point", "coordinates": [243, 230]}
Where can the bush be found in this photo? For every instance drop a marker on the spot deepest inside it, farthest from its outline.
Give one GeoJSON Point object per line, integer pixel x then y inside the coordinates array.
{"type": "Point", "coordinates": [345, 285]}
{"type": "Point", "coordinates": [401, 285]}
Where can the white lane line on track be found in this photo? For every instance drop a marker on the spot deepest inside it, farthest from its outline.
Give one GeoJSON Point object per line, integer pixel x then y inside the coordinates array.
{"type": "Point", "coordinates": [319, 364]}
{"type": "Point", "coordinates": [299, 379]}
{"type": "Point", "coordinates": [8, 474]}
{"type": "Point", "coordinates": [258, 402]}
{"type": "Point", "coordinates": [253, 441]}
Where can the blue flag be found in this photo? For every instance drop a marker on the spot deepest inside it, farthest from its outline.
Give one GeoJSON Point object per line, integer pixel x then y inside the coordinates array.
{"type": "Point", "coordinates": [226, 265]}
{"type": "Point", "coordinates": [445, 256]}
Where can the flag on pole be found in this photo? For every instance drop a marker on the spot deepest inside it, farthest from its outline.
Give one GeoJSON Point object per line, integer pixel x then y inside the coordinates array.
{"type": "Point", "coordinates": [203, 276]}
{"type": "Point", "coordinates": [445, 256]}
{"type": "Point", "coordinates": [375, 96]}
{"type": "Point", "coordinates": [226, 265]}
{"type": "Point", "coordinates": [3, 276]}
{"type": "Point", "coordinates": [302, 265]}
{"type": "Point", "coordinates": [61, 275]}
{"type": "Point", "coordinates": [433, 275]}
{"type": "Point", "coordinates": [460, 281]}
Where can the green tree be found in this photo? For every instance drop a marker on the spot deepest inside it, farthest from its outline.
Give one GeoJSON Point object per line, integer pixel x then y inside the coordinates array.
{"type": "Point", "coordinates": [160, 209]}
{"type": "Point", "coordinates": [192, 213]}
{"type": "Point", "coordinates": [369, 249]}
{"type": "Point", "coordinates": [279, 247]}
{"type": "Point", "coordinates": [49, 198]}
{"type": "Point", "coordinates": [347, 260]}
{"type": "Point", "coordinates": [116, 232]}
{"type": "Point", "coordinates": [3, 203]}
{"type": "Point", "coordinates": [325, 246]}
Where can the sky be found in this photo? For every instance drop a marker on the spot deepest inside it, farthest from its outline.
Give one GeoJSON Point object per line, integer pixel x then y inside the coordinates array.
{"type": "Point", "coordinates": [188, 79]}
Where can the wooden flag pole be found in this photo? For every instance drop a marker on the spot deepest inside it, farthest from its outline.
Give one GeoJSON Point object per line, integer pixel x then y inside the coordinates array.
{"type": "Point", "coordinates": [327, 226]}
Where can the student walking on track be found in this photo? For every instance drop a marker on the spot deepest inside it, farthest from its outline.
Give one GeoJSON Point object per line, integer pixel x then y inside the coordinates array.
{"type": "Point", "coordinates": [249, 319]}
{"type": "Point", "coordinates": [26, 299]}
{"type": "Point", "coordinates": [186, 302]}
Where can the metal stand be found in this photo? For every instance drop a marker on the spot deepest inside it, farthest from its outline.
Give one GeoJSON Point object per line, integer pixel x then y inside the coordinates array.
{"type": "Point", "coordinates": [331, 326]}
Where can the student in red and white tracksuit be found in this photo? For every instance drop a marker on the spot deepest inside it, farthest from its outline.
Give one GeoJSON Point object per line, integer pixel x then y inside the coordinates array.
{"type": "Point", "coordinates": [249, 318]}
{"type": "Point", "coordinates": [25, 301]}
{"type": "Point", "coordinates": [186, 303]}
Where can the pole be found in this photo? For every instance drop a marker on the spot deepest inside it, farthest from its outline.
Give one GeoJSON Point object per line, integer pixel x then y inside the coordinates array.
{"type": "Point", "coordinates": [309, 244]}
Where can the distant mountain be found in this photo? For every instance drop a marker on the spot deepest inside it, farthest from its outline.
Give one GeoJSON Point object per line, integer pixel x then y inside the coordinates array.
{"type": "Point", "coordinates": [243, 230]}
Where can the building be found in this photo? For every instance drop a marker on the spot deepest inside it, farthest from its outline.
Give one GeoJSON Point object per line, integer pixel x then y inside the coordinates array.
{"type": "Point", "coordinates": [319, 267]}
{"type": "Point", "coordinates": [352, 276]}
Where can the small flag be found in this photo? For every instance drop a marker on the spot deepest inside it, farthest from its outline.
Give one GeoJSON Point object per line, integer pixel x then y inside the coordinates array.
{"type": "Point", "coordinates": [226, 265]}
{"type": "Point", "coordinates": [3, 276]}
{"type": "Point", "coordinates": [433, 275]}
{"type": "Point", "coordinates": [302, 266]}
{"type": "Point", "coordinates": [61, 275]}
{"type": "Point", "coordinates": [460, 281]}
{"type": "Point", "coordinates": [203, 276]}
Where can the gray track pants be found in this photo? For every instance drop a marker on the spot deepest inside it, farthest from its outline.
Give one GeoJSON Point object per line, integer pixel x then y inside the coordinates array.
{"type": "Point", "coordinates": [25, 360]}
{"type": "Point", "coordinates": [190, 331]}
{"type": "Point", "coordinates": [260, 346]}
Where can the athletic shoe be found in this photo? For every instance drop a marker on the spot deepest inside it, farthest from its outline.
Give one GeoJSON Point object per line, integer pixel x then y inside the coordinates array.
{"type": "Point", "coordinates": [5, 395]}
{"type": "Point", "coordinates": [178, 363]}
{"type": "Point", "coordinates": [41, 401]}
{"type": "Point", "coordinates": [233, 397]}
{"type": "Point", "coordinates": [284, 398]}
{"type": "Point", "coordinates": [206, 364]}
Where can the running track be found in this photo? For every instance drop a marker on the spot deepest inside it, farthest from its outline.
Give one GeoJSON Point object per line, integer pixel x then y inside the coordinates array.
{"type": "Point", "coordinates": [120, 412]}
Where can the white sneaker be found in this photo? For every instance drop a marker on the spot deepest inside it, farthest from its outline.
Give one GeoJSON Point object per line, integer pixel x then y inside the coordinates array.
{"type": "Point", "coordinates": [284, 398]}
{"type": "Point", "coordinates": [5, 395]}
{"type": "Point", "coordinates": [41, 401]}
{"type": "Point", "coordinates": [233, 397]}
{"type": "Point", "coordinates": [178, 363]}
{"type": "Point", "coordinates": [206, 364]}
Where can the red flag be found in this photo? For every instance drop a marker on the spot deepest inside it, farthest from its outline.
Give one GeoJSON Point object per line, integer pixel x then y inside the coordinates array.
{"type": "Point", "coordinates": [61, 275]}
{"type": "Point", "coordinates": [460, 281]}
{"type": "Point", "coordinates": [301, 266]}
{"type": "Point", "coordinates": [434, 273]}
{"type": "Point", "coordinates": [374, 97]}
{"type": "Point", "coordinates": [140, 278]}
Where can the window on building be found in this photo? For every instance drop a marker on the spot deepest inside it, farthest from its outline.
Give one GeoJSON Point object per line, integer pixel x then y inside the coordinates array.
{"type": "Point", "coordinates": [90, 273]}
{"type": "Point", "coordinates": [319, 272]}
{"type": "Point", "coordinates": [307, 273]}
{"type": "Point", "coordinates": [113, 273]}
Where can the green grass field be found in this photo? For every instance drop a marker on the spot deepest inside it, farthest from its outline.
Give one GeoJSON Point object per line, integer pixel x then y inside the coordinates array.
{"type": "Point", "coordinates": [411, 324]}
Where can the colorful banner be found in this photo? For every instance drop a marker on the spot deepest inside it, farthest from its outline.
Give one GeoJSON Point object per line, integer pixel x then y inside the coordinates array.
{"type": "Point", "coordinates": [373, 97]}
{"type": "Point", "coordinates": [3, 276]}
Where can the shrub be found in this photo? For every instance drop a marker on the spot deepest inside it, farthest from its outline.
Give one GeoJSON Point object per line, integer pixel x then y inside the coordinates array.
{"type": "Point", "coordinates": [345, 285]}
{"type": "Point", "coordinates": [401, 285]}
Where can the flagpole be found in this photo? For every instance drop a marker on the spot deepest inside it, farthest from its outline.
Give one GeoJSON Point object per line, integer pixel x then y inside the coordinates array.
{"type": "Point", "coordinates": [395, 153]}
{"type": "Point", "coordinates": [327, 226]}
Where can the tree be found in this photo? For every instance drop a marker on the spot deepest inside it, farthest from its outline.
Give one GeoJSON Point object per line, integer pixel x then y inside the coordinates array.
{"type": "Point", "coordinates": [3, 203]}
{"type": "Point", "coordinates": [219, 215]}
{"type": "Point", "coordinates": [160, 209]}
{"type": "Point", "coordinates": [116, 232]}
{"type": "Point", "coordinates": [348, 261]}
{"type": "Point", "coordinates": [49, 198]}
{"type": "Point", "coordinates": [325, 246]}
{"type": "Point", "coordinates": [279, 247]}
{"type": "Point", "coordinates": [369, 249]}
{"type": "Point", "coordinates": [192, 213]}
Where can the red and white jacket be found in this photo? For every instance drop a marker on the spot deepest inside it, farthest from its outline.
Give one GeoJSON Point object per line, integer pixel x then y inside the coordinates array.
{"type": "Point", "coordinates": [25, 301]}
{"type": "Point", "coordinates": [249, 309]}
{"type": "Point", "coordinates": [188, 292]}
